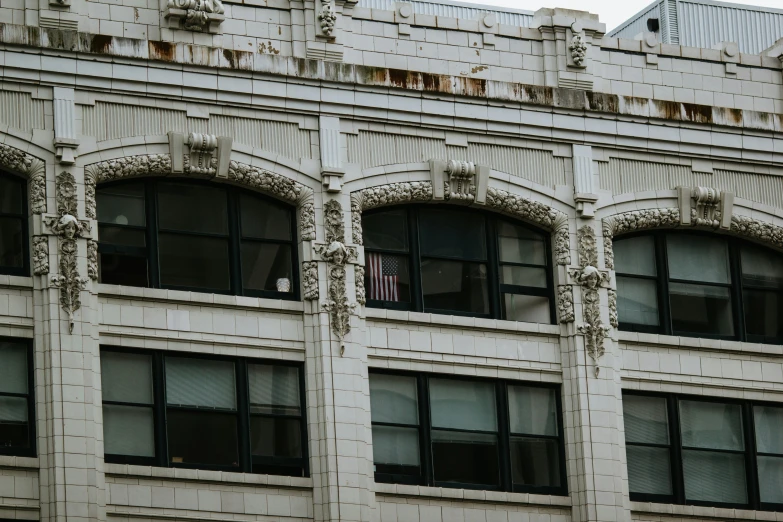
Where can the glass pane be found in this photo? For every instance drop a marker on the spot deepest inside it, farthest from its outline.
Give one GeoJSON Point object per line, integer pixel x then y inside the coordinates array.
{"type": "Point", "coordinates": [635, 255]}
{"type": "Point", "coordinates": [274, 389]}
{"type": "Point", "coordinates": [263, 219]}
{"type": "Point", "coordinates": [13, 367]}
{"type": "Point", "coordinates": [126, 377]}
{"type": "Point", "coordinates": [714, 477]}
{"type": "Point", "coordinates": [192, 208]}
{"type": "Point", "coordinates": [200, 382]}
{"type": "Point", "coordinates": [121, 204]}
{"type": "Point", "coordinates": [266, 266]}
{"type": "Point", "coordinates": [122, 236]}
{"type": "Point", "coordinates": [535, 462]}
{"type": "Point", "coordinates": [761, 267]}
{"type": "Point", "coordinates": [275, 437]}
{"type": "Point", "coordinates": [467, 458]}
{"type": "Point", "coordinates": [698, 258]}
{"type": "Point", "coordinates": [465, 405]}
{"type": "Point", "coordinates": [386, 277]}
{"type": "Point", "coordinates": [646, 419]}
{"type": "Point", "coordinates": [454, 285]}
{"type": "Point", "coordinates": [649, 470]}
{"type": "Point", "coordinates": [128, 430]}
{"type": "Point", "coordinates": [526, 308]}
{"type": "Point", "coordinates": [14, 429]}
{"type": "Point", "coordinates": [711, 425]}
{"type": "Point", "coordinates": [769, 429]}
{"type": "Point", "coordinates": [114, 269]}
{"type": "Point", "coordinates": [393, 445]}
{"type": "Point", "coordinates": [763, 313]}
{"type": "Point", "coordinates": [523, 276]}
{"type": "Point", "coordinates": [520, 245]}
{"type": "Point", "coordinates": [532, 411]}
{"type": "Point", "coordinates": [698, 309]}
{"type": "Point", "coordinates": [637, 301]}
{"type": "Point", "coordinates": [202, 437]}
{"type": "Point", "coordinates": [393, 399]}
{"type": "Point", "coordinates": [386, 230]}
{"type": "Point", "coordinates": [452, 233]}
{"type": "Point", "coordinates": [193, 262]}
{"type": "Point", "coordinates": [771, 479]}
{"type": "Point", "coordinates": [11, 251]}
{"type": "Point", "coordinates": [11, 194]}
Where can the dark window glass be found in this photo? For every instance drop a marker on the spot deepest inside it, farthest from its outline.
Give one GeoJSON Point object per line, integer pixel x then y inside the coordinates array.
{"type": "Point", "coordinates": [11, 195]}
{"type": "Point", "coordinates": [11, 242]}
{"type": "Point", "coordinates": [13, 225]}
{"type": "Point", "coordinates": [647, 445]}
{"type": "Point", "coordinates": [192, 236]}
{"type": "Point", "coordinates": [16, 435]}
{"type": "Point", "coordinates": [769, 449]}
{"type": "Point", "coordinates": [457, 429]}
{"type": "Point", "coordinates": [449, 260]}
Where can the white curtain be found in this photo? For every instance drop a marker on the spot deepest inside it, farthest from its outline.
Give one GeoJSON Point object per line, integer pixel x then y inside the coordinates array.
{"type": "Point", "coordinates": [532, 411]}
{"type": "Point", "coordinates": [393, 399]}
{"type": "Point", "coordinates": [273, 386]}
{"type": "Point", "coordinates": [466, 405]}
{"type": "Point", "coordinates": [128, 430]}
{"type": "Point", "coordinates": [698, 258]}
{"type": "Point", "coordinates": [392, 445]}
{"type": "Point", "coordinates": [711, 425]}
{"type": "Point", "coordinates": [200, 382]}
{"type": "Point", "coordinates": [769, 429]}
{"type": "Point", "coordinates": [13, 368]}
{"type": "Point", "coordinates": [126, 377]}
{"type": "Point", "coordinates": [635, 256]}
{"type": "Point", "coordinates": [637, 301]}
{"type": "Point", "coordinates": [771, 479]}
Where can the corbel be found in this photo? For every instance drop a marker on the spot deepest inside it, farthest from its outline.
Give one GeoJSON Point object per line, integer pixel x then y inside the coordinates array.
{"type": "Point", "coordinates": [585, 195]}
{"type": "Point", "coordinates": [65, 140]}
{"type": "Point", "coordinates": [207, 155]}
{"type": "Point", "coordinates": [459, 181]}
{"type": "Point", "coordinates": [699, 206]}
{"type": "Point", "coordinates": [332, 170]}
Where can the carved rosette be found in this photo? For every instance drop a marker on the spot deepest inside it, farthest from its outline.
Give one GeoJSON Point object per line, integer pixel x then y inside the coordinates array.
{"type": "Point", "coordinates": [565, 303]}
{"type": "Point", "coordinates": [337, 255]}
{"type": "Point", "coordinates": [310, 280]}
{"type": "Point", "coordinates": [40, 255]}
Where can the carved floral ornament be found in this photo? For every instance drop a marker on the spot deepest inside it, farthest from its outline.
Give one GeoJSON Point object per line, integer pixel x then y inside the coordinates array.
{"type": "Point", "coordinates": [32, 168]}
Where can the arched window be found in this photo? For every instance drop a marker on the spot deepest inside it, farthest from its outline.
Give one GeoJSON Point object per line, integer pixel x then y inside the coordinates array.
{"type": "Point", "coordinates": [196, 236]}
{"type": "Point", "coordinates": [13, 225]}
{"type": "Point", "coordinates": [699, 285]}
{"type": "Point", "coordinates": [455, 261]}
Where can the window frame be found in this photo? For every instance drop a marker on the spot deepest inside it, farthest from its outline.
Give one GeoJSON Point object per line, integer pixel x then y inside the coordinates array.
{"type": "Point", "coordinates": [31, 450]}
{"type": "Point", "coordinates": [495, 289]}
{"type": "Point", "coordinates": [23, 217]}
{"type": "Point", "coordinates": [152, 231]}
{"type": "Point", "coordinates": [662, 281]}
{"type": "Point", "coordinates": [246, 460]}
{"type": "Point", "coordinates": [750, 452]}
{"type": "Point", "coordinates": [426, 476]}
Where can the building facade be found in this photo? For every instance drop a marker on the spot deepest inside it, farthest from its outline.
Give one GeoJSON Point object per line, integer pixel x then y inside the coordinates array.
{"type": "Point", "coordinates": [278, 260]}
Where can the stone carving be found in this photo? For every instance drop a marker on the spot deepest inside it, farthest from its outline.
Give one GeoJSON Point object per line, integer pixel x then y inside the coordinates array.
{"type": "Point", "coordinates": [590, 279]}
{"type": "Point", "coordinates": [361, 295]}
{"type": "Point", "coordinates": [613, 320]}
{"type": "Point", "coordinates": [202, 149]}
{"type": "Point", "coordinates": [40, 255]}
{"type": "Point", "coordinates": [608, 248]}
{"type": "Point", "coordinates": [307, 219]}
{"type": "Point", "coordinates": [382, 196]}
{"type": "Point", "coordinates": [121, 168]}
{"type": "Point", "coordinates": [67, 228]}
{"type": "Point", "coordinates": [310, 280]}
{"type": "Point", "coordinates": [195, 15]}
{"type": "Point", "coordinates": [705, 206]}
{"type": "Point", "coordinates": [758, 230]}
{"type": "Point", "coordinates": [459, 181]}
{"type": "Point", "coordinates": [327, 18]}
{"type": "Point", "coordinates": [92, 259]}
{"type": "Point", "coordinates": [19, 161]}
{"type": "Point", "coordinates": [336, 254]}
{"type": "Point", "coordinates": [578, 49]}
{"type": "Point", "coordinates": [565, 303]}
{"type": "Point", "coordinates": [461, 174]}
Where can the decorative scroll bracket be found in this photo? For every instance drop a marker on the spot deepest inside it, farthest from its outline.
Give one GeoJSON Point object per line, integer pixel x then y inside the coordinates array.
{"type": "Point", "coordinates": [705, 206]}
{"type": "Point", "coordinates": [207, 155]}
{"type": "Point", "coordinates": [195, 15]}
{"type": "Point", "coordinates": [459, 181]}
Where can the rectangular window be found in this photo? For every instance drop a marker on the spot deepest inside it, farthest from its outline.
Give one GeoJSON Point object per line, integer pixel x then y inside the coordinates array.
{"type": "Point", "coordinates": [386, 275]}
{"type": "Point", "coordinates": [466, 433]}
{"type": "Point", "coordinates": [13, 225]}
{"type": "Point", "coordinates": [231, 414]}
{"type": "Point", "coordinates": [17, 420]}
{"type": "Point", "coordinates": [699, 451]}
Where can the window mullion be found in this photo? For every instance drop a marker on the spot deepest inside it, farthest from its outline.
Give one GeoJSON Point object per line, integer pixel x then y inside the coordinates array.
{"type": "Point", "coordinates": [151, 211]}
{"type": "Point", "coordinates": [414, 261]}
{"type": "Point", "coordinates": [662, 272]}
{"type": "Point", "coordinates": [504, 453]}
{"type": "Point", "coordinates": [424, 432]}
{"type": "Point", "coordinates": [234, 233]}
{"type": "Point", "coordinates": [752, 476]}
{"type": "Point", "coordinates": [736, 290]}
{"type": "Point", "coordinates": [243, 416]}
{"type": "Point", "coordinates": [675, 442]}
{"type": "Point", "coordinates": [159, 409]}
{"type": "Point", "coordinates": [493, 272]}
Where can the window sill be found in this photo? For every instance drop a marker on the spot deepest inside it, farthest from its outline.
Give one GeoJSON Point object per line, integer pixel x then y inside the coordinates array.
{"type": "Point", "coordinates": [178, 296]}
{"type": "Point", "coordinates": [10, 461]}
{"type": "Point", "coordinates": [10, 281]}
{"type": "Point", "coordinates": [698, 343]}
{"type": "Point", "coordinates": [472, 495]}
{"type": "Point", "coordinates": [461, 321]}
{"type": "Point", "coordinates": [703, 511]}
{"type": "Point", "coordinates": [200, 475]}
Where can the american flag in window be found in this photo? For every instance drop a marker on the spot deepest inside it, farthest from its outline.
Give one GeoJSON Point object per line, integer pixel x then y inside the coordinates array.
{"type": "Point", "coordinates": [384, 275]}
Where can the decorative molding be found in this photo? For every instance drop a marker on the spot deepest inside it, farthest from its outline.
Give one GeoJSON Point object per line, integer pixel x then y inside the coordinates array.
{"type": "Point", "coordinates": [65, 139]}
{"type": "Point", "coordinates": [361, 293]}
{"type": "Point", "coordinates": [40, 255]}
{"type": "Point", "coordinates": [202, 149]}
{"type": "Point", "coordinates": [92, 259]}
{"type": "Point", "coordinates": [327, 19]}
{"type": "Point", "coordinates": [336, 254]}
{"type": "Point", "coordinates": [459, 181]}
{"type": "Point", "coordinates": [578, 49]}
{"type": "Point", "coordinates": [565, 303]}
{"type": "Point", "coordinates": [33, 168]}
{"type": "Point", "coordinates": [382, 196]}
{"type": "Point", "coordinates": [705, 206]}
{"type": "Point", "coordinates": [195, 15]}
{"type": "Point", "coordinates": [331, 162]}
{"type": "Point", "coordinates": [310, 280]}
{"type": "Point", "coordinates": [584, 185]}
{"type": "Point", "coordinates": [68, 228]}
{"type": "Point", "coordinates": [307, 216]}
{"type": "Point", "coordinates": [613, 320]}
{"type": "Point", "coordinates": [590, 279]}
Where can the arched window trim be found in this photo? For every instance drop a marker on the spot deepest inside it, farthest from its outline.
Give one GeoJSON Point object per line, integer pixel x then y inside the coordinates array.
{"type": "Point", "coordinates": [22, 217]}
{"type": "Point", "coordinates": [734, 243]}
{"type": "Point", "coordinates": [235, 276]}
{"type": "Point", "coordinates": [493, 264]}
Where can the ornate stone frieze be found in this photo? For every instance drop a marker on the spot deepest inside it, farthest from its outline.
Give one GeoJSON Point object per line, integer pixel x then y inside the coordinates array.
{"type": "Point", "coordinates": [310, 280]}
{"type": "Point", "coordinates": [40, 255]}
{"type": "Point", "coordinates": [19, 161]}
{"type": "Point", "coordinates": [565, 303]}
{"type": "Point", "coordinates": [590, 279]}
{"type": "Point", "coordinates": [92, 259]}
{"type": "Point", "coordinates": [613, 320]}
{"type": "Point", "coordinates": [195, 15]}
{"type": "Point", "coordinates": [307, 219]}
{"type": "Point", "coordinates": [578, 49]}
{"type": "Point", "coordinates": [361, 293]}
{"type": "Point", "coordinates": [67, 227]}
{"type": "Point", "coordinates": [382, 196]}
{"type": "Point", "coordinates": [337, 254]}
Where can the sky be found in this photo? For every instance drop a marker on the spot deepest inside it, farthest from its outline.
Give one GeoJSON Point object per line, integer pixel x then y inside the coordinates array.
{"type": "Point", "coordinates": [610, 12]}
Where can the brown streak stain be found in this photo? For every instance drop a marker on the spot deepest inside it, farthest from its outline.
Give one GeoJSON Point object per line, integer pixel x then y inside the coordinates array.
{"type": "Point", "coordinates": [478, 68]}
{"type": "Point", "coordinates": [228, 54]}
{"type": "Point", "coordinates": [539, 95]}
{"type": "Point", "coordinates": [474, 87]}
{"type": "Point", "coordinates": [602, 102]}
{"type": "Point", "coordinates": [398, 78]}
{"type": "Point", "coordinates": [668, 110]}
{"type": "Point", "coordinates": [698, 113]}
{"type": "Point", "coordinates": [101, 43]}
{"type": "Point", "coordinates": [162, 51]}
{"type": "Point", "coordinates": [735, 115]}
{"type": "Point", "coordinates": [429, 81]}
